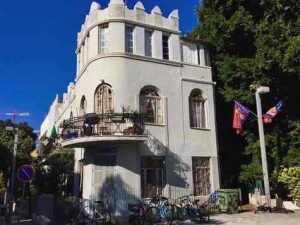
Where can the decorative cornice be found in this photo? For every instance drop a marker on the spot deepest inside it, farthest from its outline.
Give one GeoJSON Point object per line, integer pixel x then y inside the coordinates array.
{"type": "Point", "coordinates": [129, 56]}
{"type": "Point", "coordinates": [199, 81]}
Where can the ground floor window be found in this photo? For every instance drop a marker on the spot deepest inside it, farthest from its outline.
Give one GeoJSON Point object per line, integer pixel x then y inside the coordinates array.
{"type": "Point", "coordinates": [201, 176]}
{"type": "Point", "coordinates": [152, 176]}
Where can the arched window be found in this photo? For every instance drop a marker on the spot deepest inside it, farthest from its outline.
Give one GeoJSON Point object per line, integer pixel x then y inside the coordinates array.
{"type": "Point", "coordinates": [83, 106]}
{"type": "Point", "coordinates": [198, 111]}
{"type": "Point", "coordinates": [103, 99]}
{"type": "Point", "coordinates": [151, 105]}
{"type": "Point", "coordinates": [71, 115]}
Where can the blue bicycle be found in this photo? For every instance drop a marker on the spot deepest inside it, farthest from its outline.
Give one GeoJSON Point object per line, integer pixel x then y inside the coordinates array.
{"type": "Point", "coordinates": [164, 208]}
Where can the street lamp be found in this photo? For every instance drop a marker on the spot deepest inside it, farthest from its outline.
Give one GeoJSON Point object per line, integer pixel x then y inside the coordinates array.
{"type": "Point", "coordinates": [13, 171]}
{"type": "Point", "coordinates": [263, 90]}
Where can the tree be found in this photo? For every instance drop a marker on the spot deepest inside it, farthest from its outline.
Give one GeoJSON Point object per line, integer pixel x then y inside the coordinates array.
{"type": "Point", "coordinates": [55, 174]}
{"type": "Point", "coordinates": [26, 144]}
{"type": "Point", "coordinates": [291, 178]}
{"type": "Point", "coordinates": [254, 43]}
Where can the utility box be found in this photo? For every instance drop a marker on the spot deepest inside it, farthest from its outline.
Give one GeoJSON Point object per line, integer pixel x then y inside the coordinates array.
{"type": "Point", "coordinates": [229, 200]}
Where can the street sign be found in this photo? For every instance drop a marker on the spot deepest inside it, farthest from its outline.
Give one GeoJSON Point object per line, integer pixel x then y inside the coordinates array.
{"type": "Point", "coordinates": [26, 173]}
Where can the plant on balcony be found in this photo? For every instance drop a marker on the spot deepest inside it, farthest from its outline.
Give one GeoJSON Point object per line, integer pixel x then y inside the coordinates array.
{"type": "Point", "coordinates": [137, 120]}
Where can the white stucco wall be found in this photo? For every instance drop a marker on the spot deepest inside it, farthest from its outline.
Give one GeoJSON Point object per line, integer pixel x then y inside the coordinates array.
{"type": "Point", "coordinates": [128, 74]}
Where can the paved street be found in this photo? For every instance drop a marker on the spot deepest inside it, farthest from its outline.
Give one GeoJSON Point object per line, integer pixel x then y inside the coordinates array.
{"type": "Point", "coordinates": [23, 222]}
{"type": "Point", "coordinates": [249, 218]}
{"type": "Point", "coordinates": [246, 218]}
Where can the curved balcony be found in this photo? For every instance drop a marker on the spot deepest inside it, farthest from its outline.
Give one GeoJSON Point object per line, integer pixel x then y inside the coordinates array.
{"type": "Point", "coordinates": [92, 129]}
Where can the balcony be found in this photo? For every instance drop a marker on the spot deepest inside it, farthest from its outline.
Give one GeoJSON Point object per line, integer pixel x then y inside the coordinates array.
{"type": "Point", "coordinates": [92, 129]}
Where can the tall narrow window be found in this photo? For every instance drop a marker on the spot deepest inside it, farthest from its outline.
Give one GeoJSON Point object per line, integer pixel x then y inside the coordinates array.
{"type": "Point", "coordinates": [165, 45]}
{"type": "Point", "coordinates": [83, 55]}
{"type": "Point", "coordinates": [129, 39]}
{"type": "Point", "coordinates": [152, 176]}
{"type": "Point", "coordinates": [148, 43]}
{"type": "Point", "coordinates": [78, 61]}
{"type": "Point", "coordinates": [151, 105]}
{"type": "Point", "coordinates": [206, 57]}
{"type": "Point", "coordinates": [71, 115]}
{"type": "Point", "coordinates": [197, 109]}
{"type": "Point", "coordinates": [83, 106]}
{"type": "Point", "coordinates": [103, 99]}
{"type": "Point", "coordinates": [201, 176]}
{"type": "Point", "coordinates": [103, 39]}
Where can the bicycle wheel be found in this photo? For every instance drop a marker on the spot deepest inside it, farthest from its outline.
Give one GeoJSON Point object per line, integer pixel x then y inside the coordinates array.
{"type": "Point", "coordinates": [78, 219]}
{"type": "Point", "coordinates": [182, 213]}
{"type": "Point", "coordinates": [135, 219]}
{"type": "Point", "coordinates": [194, 215]}
{"type": "Point", "coordinates": [167, 214]}
{"type": "Point", "coordinates": [204, 215]}
{"type": "Point", "coordinates": [152, 215]}
{"type": "Point", "coordinates": [102, 216]}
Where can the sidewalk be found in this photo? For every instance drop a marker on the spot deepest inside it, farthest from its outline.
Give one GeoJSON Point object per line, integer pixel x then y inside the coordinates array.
{"type": "Point", "coordinates": [23, 222]}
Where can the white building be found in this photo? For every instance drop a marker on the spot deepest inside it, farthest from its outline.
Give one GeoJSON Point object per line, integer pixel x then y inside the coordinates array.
{"type": "Point", "coordinates": [129, 60]}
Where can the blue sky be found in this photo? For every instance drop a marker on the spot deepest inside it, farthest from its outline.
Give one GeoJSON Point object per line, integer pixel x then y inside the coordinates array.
{"type": "Point", "coordinates": [38, 40]}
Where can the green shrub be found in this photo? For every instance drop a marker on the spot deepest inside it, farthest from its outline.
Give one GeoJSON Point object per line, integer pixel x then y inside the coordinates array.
{"type": "Point", "coordinates": [291, 178]}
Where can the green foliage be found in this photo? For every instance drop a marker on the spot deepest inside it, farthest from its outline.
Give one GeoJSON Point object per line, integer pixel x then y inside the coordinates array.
{"type": "Point", "coordinates": [2, 184]}
{"type": "Point", "coordinates": [26, 144]}
{"type": "Point", "coordinates": [55, 174]}
{"type": "Point", "coordinates": [254, 43]}
{"type": "Point", "coordinates": [291, 178]}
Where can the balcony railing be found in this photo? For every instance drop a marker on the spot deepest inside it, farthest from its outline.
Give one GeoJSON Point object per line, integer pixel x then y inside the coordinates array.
{"type": "Point", "coordinates": [109, 124]}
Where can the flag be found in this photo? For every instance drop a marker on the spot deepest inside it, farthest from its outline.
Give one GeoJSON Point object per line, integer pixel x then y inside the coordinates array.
{"type": "Point", "coordinates": [34, 154]}
{"type": "Point", "coordinates": [267, 118]}
{"type": "Point", "coordinates": [53, 132]}
{"type": "Point", "coordinates": [240, 115]}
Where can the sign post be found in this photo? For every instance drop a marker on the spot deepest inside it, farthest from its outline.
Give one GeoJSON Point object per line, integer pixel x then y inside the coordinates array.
{"type": "Point", "coordinates": [26, 173]}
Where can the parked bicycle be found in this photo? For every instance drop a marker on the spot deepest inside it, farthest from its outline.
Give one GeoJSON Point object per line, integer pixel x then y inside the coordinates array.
{"type": "Point", "coordinates": [187, 209]}
{"type": "Point", "coordinates": [164, 208]}
{"type": "Point", "coordinates": [143, 214]}
{"type": "Point", "coordinates": [85, 214]}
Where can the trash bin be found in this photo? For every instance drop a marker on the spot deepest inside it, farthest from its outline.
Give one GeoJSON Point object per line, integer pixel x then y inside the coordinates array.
{"type": "Point", "coordinates": [229, 200]}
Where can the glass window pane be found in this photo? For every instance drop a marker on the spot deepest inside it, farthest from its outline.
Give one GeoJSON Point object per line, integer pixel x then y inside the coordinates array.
{"type": "Point", "coordinates": [148, 43]}
{"type": "Point", "coordinates": [165, 43]}
{"type": "Point", "coordinates": [129, 39]}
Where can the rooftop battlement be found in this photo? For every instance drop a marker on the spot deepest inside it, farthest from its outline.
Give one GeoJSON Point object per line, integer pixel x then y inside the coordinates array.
{"type": "Point", "coordinates": [117, 11]}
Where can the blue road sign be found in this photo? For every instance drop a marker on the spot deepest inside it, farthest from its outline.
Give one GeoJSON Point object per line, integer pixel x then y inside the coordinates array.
{"type": "Point", "coordinates": [26, 173]}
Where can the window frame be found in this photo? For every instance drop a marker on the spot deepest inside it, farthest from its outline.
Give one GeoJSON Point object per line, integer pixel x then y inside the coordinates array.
{"type": "Point", "coordinates": [164, 53]}
{"type": "Point", "coordinates": [83, 106]}
{"type": "Point", "coordinates": [198, 107]}
{"type": "Point", "coordinates": [127, 41]}
{"type": "Point", "coordinates": [198, 180]}
{"type": "Point", "coordinates": [105, 49]}
{"type": "Point", "coordinates": [99, 109]}
{"type": "Point", "coordinates": [158, 111]}
{"type": "Point", "coordinates": [148, 52]}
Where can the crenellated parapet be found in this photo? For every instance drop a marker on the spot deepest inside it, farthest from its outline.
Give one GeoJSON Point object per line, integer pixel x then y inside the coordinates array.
{"type": "Point", "coordinates": [118, 11]}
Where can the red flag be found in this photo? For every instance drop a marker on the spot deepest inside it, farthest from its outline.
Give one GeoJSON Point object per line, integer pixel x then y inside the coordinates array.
{"type": "Point", "coordinates": [267, 118]}
{"type": "Point", "coordinates": [240, 115]}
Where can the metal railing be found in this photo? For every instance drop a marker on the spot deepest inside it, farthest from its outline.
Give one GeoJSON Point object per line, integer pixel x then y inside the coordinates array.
{"type": "Point", "coordinates": [108, 124]}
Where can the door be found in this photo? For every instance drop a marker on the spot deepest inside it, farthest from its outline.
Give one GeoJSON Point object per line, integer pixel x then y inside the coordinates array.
{"type": "Point", "coordinates": [104, 173]}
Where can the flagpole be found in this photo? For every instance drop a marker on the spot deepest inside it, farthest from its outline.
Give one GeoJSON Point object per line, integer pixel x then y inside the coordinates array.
{"type": "Point", "coordinates": [262, 90]}
{"type": "Point", "coordinates": [248, 110]}
{"type": "Point", "coordinates": [252, 113]}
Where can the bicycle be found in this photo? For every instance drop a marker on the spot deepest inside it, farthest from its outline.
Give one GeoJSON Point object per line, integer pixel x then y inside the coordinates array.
{"type": "Point", "coordinates": [203, 213]}
{"type": "Point", "coordinates": [189, 209]}
{"type": "Point", "coordinates": [164, 208]}
{"type": "Point", "coordinates": [96, 216]}
{"type": "Point", "coordinates": [143, 214]}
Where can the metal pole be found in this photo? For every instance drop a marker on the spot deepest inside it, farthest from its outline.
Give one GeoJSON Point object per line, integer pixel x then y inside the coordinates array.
{"type": "Point", "coordinates": [262, 144]}
{"type": "Point", "coordinates": [13, 171]}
